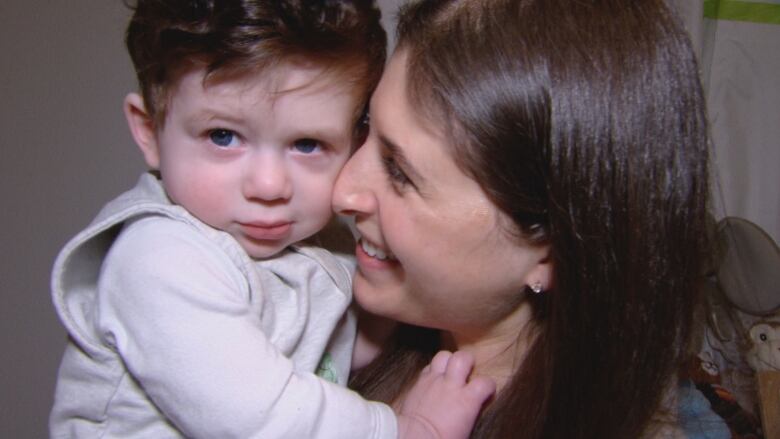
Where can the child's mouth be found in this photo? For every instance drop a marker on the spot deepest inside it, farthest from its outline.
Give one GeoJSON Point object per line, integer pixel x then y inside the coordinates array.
{"type": "Point", "coordinates": [264, 232]}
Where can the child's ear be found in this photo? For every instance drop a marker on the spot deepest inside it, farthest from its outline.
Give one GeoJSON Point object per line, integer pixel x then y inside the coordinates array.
{"type": "Point", "coordinates": [142, 128]}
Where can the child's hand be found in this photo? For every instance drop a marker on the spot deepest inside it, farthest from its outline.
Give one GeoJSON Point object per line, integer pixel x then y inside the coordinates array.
{"type": "Point", "coordinates": [443, 403]}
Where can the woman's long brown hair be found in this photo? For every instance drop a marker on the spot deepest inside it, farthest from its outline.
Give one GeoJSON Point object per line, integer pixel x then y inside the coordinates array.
{"type": "Point", "coordinates": [584, 122]}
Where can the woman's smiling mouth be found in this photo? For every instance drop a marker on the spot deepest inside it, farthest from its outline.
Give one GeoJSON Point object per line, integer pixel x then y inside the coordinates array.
{"type": "Point", "coordinates": [375, 252]}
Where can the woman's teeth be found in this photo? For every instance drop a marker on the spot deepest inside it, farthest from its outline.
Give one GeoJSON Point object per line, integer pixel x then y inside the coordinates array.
{"type": "Point", "coordinates": [375, 252]}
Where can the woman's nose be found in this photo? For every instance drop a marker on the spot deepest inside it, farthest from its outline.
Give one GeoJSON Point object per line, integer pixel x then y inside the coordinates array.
{"type": "Point", "coordinates": [267, 178]}
{"type": "Point", "coordinates": [353, 193]}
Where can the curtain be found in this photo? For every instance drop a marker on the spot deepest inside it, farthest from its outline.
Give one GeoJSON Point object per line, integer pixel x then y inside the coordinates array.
{"type": "Point", "coordinates": [738, 43]}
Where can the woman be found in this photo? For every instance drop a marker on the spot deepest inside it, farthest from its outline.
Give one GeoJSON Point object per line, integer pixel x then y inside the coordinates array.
{"type": "Point", "coordinates": [533, 189]}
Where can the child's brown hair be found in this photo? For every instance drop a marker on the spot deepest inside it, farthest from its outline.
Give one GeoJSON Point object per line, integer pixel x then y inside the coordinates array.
{"type": "Point", "coordinates": [167, 37]}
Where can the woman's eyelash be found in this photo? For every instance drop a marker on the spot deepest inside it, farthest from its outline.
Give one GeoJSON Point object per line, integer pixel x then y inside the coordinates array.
{"type": "Point", "coordinates": [394, 173]}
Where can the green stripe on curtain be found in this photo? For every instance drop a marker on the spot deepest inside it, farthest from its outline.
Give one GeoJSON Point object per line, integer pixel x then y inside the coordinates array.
{"type": "Point", "coordinates": [742, 11]}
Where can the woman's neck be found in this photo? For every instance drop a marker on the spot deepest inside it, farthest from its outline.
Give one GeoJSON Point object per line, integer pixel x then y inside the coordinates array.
{"type": "Point", "coordinates": [499, 349]}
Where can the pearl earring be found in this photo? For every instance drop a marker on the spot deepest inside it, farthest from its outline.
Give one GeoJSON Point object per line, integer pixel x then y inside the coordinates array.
{"type": "Point", "coordinates": [536, 287]}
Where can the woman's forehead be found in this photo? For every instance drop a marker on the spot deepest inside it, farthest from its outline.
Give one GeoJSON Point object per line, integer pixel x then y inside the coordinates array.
{"type": "Point", "coordinates": [398, 123]}
{"type": "Point", "coordinates": [418, 141]}
{"type": "Point", "coordinates": [396, 116]}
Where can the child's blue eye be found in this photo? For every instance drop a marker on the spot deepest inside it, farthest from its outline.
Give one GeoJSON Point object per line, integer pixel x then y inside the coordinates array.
{"type": "Point", "coordinates": [306, 146]}
{"type": "Point", "coordinates": [222, 137]}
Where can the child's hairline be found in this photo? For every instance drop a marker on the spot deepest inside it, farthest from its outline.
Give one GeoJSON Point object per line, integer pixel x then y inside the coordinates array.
{"type": "Point", "coordinates": [161, 93]}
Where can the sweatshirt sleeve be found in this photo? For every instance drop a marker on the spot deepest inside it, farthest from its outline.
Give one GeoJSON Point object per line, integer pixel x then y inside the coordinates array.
{"type": "Point", "coordinates": [175, 309]}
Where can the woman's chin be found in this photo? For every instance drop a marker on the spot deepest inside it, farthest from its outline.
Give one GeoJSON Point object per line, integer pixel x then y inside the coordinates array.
{"type": "Point", "coordinates": [376, 299]}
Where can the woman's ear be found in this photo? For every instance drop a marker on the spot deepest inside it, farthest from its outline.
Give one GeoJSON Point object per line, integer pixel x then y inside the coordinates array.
{"type": "Point", "coordinates": [540, 277]}
{"type": "Point", "coordinates": [142, 128]}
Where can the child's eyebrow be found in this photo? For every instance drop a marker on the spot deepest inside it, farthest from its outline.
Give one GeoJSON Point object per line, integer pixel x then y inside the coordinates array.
{"type": "Point", "coordinates": [319, 128]}
{"type": "Point", "coordinates": [210, 114]}
{"type": "Point", "coordinates": [325, 133]}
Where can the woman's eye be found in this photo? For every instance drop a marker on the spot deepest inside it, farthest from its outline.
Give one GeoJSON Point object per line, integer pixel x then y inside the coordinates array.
{"type": "Point", "coordinates": [361, 129]}
{"type": "Point", "coordinates": [306, 146]}
{"type": "Point", "coordinates": [394, 173]}
{"type": "Point", "coordinates": [222, 137]}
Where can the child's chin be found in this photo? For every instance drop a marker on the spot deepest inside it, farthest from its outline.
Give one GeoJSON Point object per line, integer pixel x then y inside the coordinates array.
{"type": "Point", "coordinates": [263, 250]}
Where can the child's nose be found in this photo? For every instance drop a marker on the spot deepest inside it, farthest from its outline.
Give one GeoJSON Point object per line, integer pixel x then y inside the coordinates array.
{"type": "Point", "coordinates": [267, 178]}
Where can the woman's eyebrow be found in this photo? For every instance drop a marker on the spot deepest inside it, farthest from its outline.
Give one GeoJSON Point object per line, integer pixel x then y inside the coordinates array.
{"type": "Point", "coordinates": [400, 159]}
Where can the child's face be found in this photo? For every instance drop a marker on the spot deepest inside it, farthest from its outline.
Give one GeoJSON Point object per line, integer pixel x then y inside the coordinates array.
{"type": "Point", "coordinates": [257, 155]}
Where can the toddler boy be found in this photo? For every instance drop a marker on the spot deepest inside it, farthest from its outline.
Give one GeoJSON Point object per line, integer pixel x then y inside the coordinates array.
{"type": "Point", "coordinates": [193, 308]}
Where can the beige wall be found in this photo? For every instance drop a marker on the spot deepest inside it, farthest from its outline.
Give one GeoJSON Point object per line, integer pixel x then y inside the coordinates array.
{"type": "Point", "coordinates": [64, 151]}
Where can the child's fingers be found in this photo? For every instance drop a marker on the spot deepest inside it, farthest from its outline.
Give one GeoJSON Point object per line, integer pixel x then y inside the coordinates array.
{"type": "Point", "coordinates": [459, 366]}
{"type": "Point", "coordinates": [481, 387]}
{"type": "Point", "coordinates": [440, 361]}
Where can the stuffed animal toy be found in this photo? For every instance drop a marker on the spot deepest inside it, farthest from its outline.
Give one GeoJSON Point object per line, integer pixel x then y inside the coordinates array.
{"type": "Point", "coordinates": [764, 352]}
{"type": "Point", "coordinates": [705, 375]}
{"type": "Point", "coordinates": [764, 357]}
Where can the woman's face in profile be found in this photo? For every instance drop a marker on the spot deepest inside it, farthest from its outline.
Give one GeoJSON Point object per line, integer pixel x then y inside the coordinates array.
{"type": "Point", "coordinates": [433, 250]}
